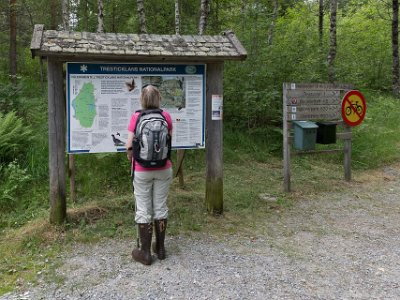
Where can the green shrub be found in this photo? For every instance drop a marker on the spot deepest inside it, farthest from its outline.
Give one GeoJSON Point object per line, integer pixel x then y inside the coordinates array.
{"type": "Point", "coordinates": [14, 136]}
{"type": "Point", "coordinates": [12, 182]}
{"type": "Point", "coordinates": [9, 99]}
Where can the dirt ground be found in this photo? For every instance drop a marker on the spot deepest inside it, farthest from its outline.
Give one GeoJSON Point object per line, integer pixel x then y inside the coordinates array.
{"type": "Point", "coordinates": [341, 245]}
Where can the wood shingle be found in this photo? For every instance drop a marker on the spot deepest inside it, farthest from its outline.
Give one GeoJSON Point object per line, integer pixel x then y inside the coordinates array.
{"type": "Point", "coordinates": [68, 45]}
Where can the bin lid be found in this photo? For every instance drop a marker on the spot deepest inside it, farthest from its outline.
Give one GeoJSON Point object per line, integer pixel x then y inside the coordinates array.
{"type": "Point", "coordinates": [326, 123]}
{"type": "Point", "coordinates": [305, 124]}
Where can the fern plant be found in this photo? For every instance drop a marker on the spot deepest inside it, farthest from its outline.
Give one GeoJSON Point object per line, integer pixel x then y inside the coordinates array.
{"type": "Point", "coordinates": [13, 180]}
{"type": "Point", "coordinates": [14, 136]}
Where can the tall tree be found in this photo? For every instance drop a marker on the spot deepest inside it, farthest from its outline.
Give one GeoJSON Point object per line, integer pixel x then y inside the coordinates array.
{"type": "Point", "coordinates": [142, 16]}
{"type": "Point", "coordinates": [53, 9]}
{"type": "Point", "coordinates": [271, 28]}
{"type": "Point", "coordinates": [13, 41]}
{"type": "Point", "coordinates": [85, 15]}
{"type": "Point", "coordinates": [100, 17]}
{"type": "Point", "coordinates": [333, 45]}
{"type": "Point", "coordinates": [204, 9]}
{"type": "Point", "coordinates": [321, 21]}
{"type": "Point", "coordinates": [395, 47]}
{"type": "Point", "coordinates": [65, 14]}
{"type": "Point", "coordinates": [177, 18]}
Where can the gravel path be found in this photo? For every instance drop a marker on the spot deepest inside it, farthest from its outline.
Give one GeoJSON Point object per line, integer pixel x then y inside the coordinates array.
{"type": "Point", "coordinates": [333, 246]}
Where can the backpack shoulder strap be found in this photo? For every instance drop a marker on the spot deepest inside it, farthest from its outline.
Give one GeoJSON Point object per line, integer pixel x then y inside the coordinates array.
{"type": "Point", "coordinates": [140, 111]}
{"type": "Point", "coordinates": [143, 112]}
{"type": "Point", "coordinates": [151, 111]}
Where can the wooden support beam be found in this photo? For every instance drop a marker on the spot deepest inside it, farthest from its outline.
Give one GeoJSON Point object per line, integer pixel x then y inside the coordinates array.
{"type": "Point", "coordinates": [179, 168]}
{"type": "Point", "coordinates": [71, 173]}
{"type": "Point", "coordinates": [347, 155]}
{"type": "Point", "coordinates": [321, 151]}
{"type": "Point", "coordinates": [214, 146]}
{"type": "Point", "coordinates": [286, 144]}
{"type": "Point", "coordinates": [56, 116]}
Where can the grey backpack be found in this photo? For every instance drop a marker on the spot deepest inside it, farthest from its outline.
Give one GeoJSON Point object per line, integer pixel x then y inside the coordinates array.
{"type": "Point", "coordinates": [152, 142]}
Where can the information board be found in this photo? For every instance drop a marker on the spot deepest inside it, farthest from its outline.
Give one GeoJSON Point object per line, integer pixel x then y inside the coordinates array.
{"type": "Point", "coordinates": [102, 97]}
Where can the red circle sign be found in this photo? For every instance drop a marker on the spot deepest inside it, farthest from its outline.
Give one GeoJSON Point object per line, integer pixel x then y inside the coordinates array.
{"type": "Point", "coordinates": [353, 108]}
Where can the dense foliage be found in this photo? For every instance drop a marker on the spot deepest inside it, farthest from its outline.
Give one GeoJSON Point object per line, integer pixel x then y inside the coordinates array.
{"type": "Point", "coordinates": [283, 45]}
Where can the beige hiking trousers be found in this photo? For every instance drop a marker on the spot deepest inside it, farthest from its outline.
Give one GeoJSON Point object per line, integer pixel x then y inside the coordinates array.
{"type": "Point", "coordinates": [151, 193]}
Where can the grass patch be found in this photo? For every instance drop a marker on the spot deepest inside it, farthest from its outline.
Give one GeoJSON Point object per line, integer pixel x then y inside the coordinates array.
{"type": "Point", "coordinates": [253, 179]}
{"type": "Point", "coordinates": [29, 252]}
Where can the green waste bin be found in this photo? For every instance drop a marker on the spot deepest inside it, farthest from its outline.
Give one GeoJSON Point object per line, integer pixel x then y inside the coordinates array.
{"type": "Point", "coordinates": [305, 135]}
{"type": "Point", "coordinates": [326, 133]}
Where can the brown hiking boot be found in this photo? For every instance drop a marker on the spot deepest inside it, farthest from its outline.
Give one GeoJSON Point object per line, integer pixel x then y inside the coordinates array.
{"type": "Point", "coordinates": [143, 255]}
{"type": "Point", "coordinates": [160, 228]}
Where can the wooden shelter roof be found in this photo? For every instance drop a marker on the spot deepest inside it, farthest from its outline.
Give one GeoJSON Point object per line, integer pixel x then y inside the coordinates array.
{"type": "Point", "coordinates": [67, 45]}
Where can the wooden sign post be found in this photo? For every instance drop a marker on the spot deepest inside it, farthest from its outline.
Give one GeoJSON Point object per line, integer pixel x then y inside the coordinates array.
{"type": "Point", "coordinates": [313, 102]}
{"type": "Point", "coordinates": [56, 114]}
{"type": "Point", "coordinates": [214, 167]}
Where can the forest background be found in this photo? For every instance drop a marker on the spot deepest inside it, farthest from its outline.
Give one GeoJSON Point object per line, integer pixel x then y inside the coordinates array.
{"type": "Point", "coordinates": [286, 41]}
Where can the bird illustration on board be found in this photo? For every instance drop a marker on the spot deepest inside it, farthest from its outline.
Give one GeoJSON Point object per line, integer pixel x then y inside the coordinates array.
{"type": "Point", "coordinates": [131, 85]}
{"type": "Point", "coordinates": [117, 142]}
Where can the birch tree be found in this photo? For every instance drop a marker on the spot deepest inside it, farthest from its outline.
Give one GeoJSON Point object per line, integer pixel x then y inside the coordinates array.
{"type": "Point", "coordinates": [100, 17]}
{"type": "Point", "coordinates": [177, 18]}
{"type": "Point", "coordinates": [13, 41]}
{"type": "Point", "coordinates": [53, 9]}
{"type": "Point", "coordinates": [85, 15]}
{"type": "Point", "coordinates": [272, 25]}
{"type": "Point", "coordinates": [395, 47]}
{"type": "Point", "coordinates": [142, 16]}
{"type": "Point", "coordinates": [321, 21]}
{"type": "Point", "coordinates": [65, 14]}
{"type": "Point", "coordinates": [333, 45]}
{"type": "Point", "coordinates": [204, 6]}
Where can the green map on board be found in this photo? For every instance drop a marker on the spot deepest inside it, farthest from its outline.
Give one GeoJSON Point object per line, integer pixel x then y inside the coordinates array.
{"type": "Point", "coordinates": [84, 105]}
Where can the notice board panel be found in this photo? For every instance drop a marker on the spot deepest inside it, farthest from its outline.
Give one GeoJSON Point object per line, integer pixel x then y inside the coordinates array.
{"type": "Point", "coordinates": [101, 97]}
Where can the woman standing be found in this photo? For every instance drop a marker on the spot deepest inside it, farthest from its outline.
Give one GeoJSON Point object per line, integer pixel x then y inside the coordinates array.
{"type": "Point", "coordinates": [151, 186]}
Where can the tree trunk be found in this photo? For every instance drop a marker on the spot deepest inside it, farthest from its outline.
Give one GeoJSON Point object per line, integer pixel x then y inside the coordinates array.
{"type": "Point", "coordinates": [332, 48]}
{"type": "Point", "coordinates": [272, 26]}
{"type": "Point", "coordinates": [85, 16]}
{"type": "Point", "coordinates": [177, 18]}
{"type": "Point", "coordinates": [65, 14]}
{"type": "Point", "coordinates": [29, 12]}
{"type": "Point", "coordinates": [142, 16]}
{"type": "Point", "coordinates": [13, 41]}
{"type": "Point", "coordinates": [53, 8]}
{"type": "Point", "coordinates": [395, 47]}
{"type": "Point", "coordinates": [203, 16]}
{"type": "Point", "coordinates": [321, 21]}
{"type": "Point", "coordinates": [216, 23]}
{"type": "Point", "coordinates": [243, 8]}
{"type": "Point", "coordinates": [114, 19]}
{"type": "Point", "coordinates": [100, 17]}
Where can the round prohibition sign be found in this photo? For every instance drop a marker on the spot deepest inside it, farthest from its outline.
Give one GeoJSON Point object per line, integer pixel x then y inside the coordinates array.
{"type": "Point", "coordinates": [353, 108]}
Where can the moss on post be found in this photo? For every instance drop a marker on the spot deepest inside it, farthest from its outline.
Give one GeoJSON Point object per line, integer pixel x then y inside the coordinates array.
{"type": "Point", "coordinates": [214, 196]}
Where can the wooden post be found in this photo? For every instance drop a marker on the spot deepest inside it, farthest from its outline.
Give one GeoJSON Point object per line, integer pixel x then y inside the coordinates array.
{"type": "Point", "coordinates": [56, 103]}
{"type": "Point", "coordinates": [179, 168]}
{"type": "Point", "coordinates": [347, 154]}
{"type": "Point", "coordinates": [214, 147]}
{"type": "Point", "coordinates": [71, 173]}
{"type": "Point", "coordinates": [286, 144]}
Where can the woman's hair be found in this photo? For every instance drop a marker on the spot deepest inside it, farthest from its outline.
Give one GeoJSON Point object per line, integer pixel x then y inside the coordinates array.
{"type": "Point", "coordinates": [150, 97]}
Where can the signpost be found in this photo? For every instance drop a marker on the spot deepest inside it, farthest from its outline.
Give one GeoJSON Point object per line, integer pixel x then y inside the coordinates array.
{"type": "Point", "coordinates": [303, 102]}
